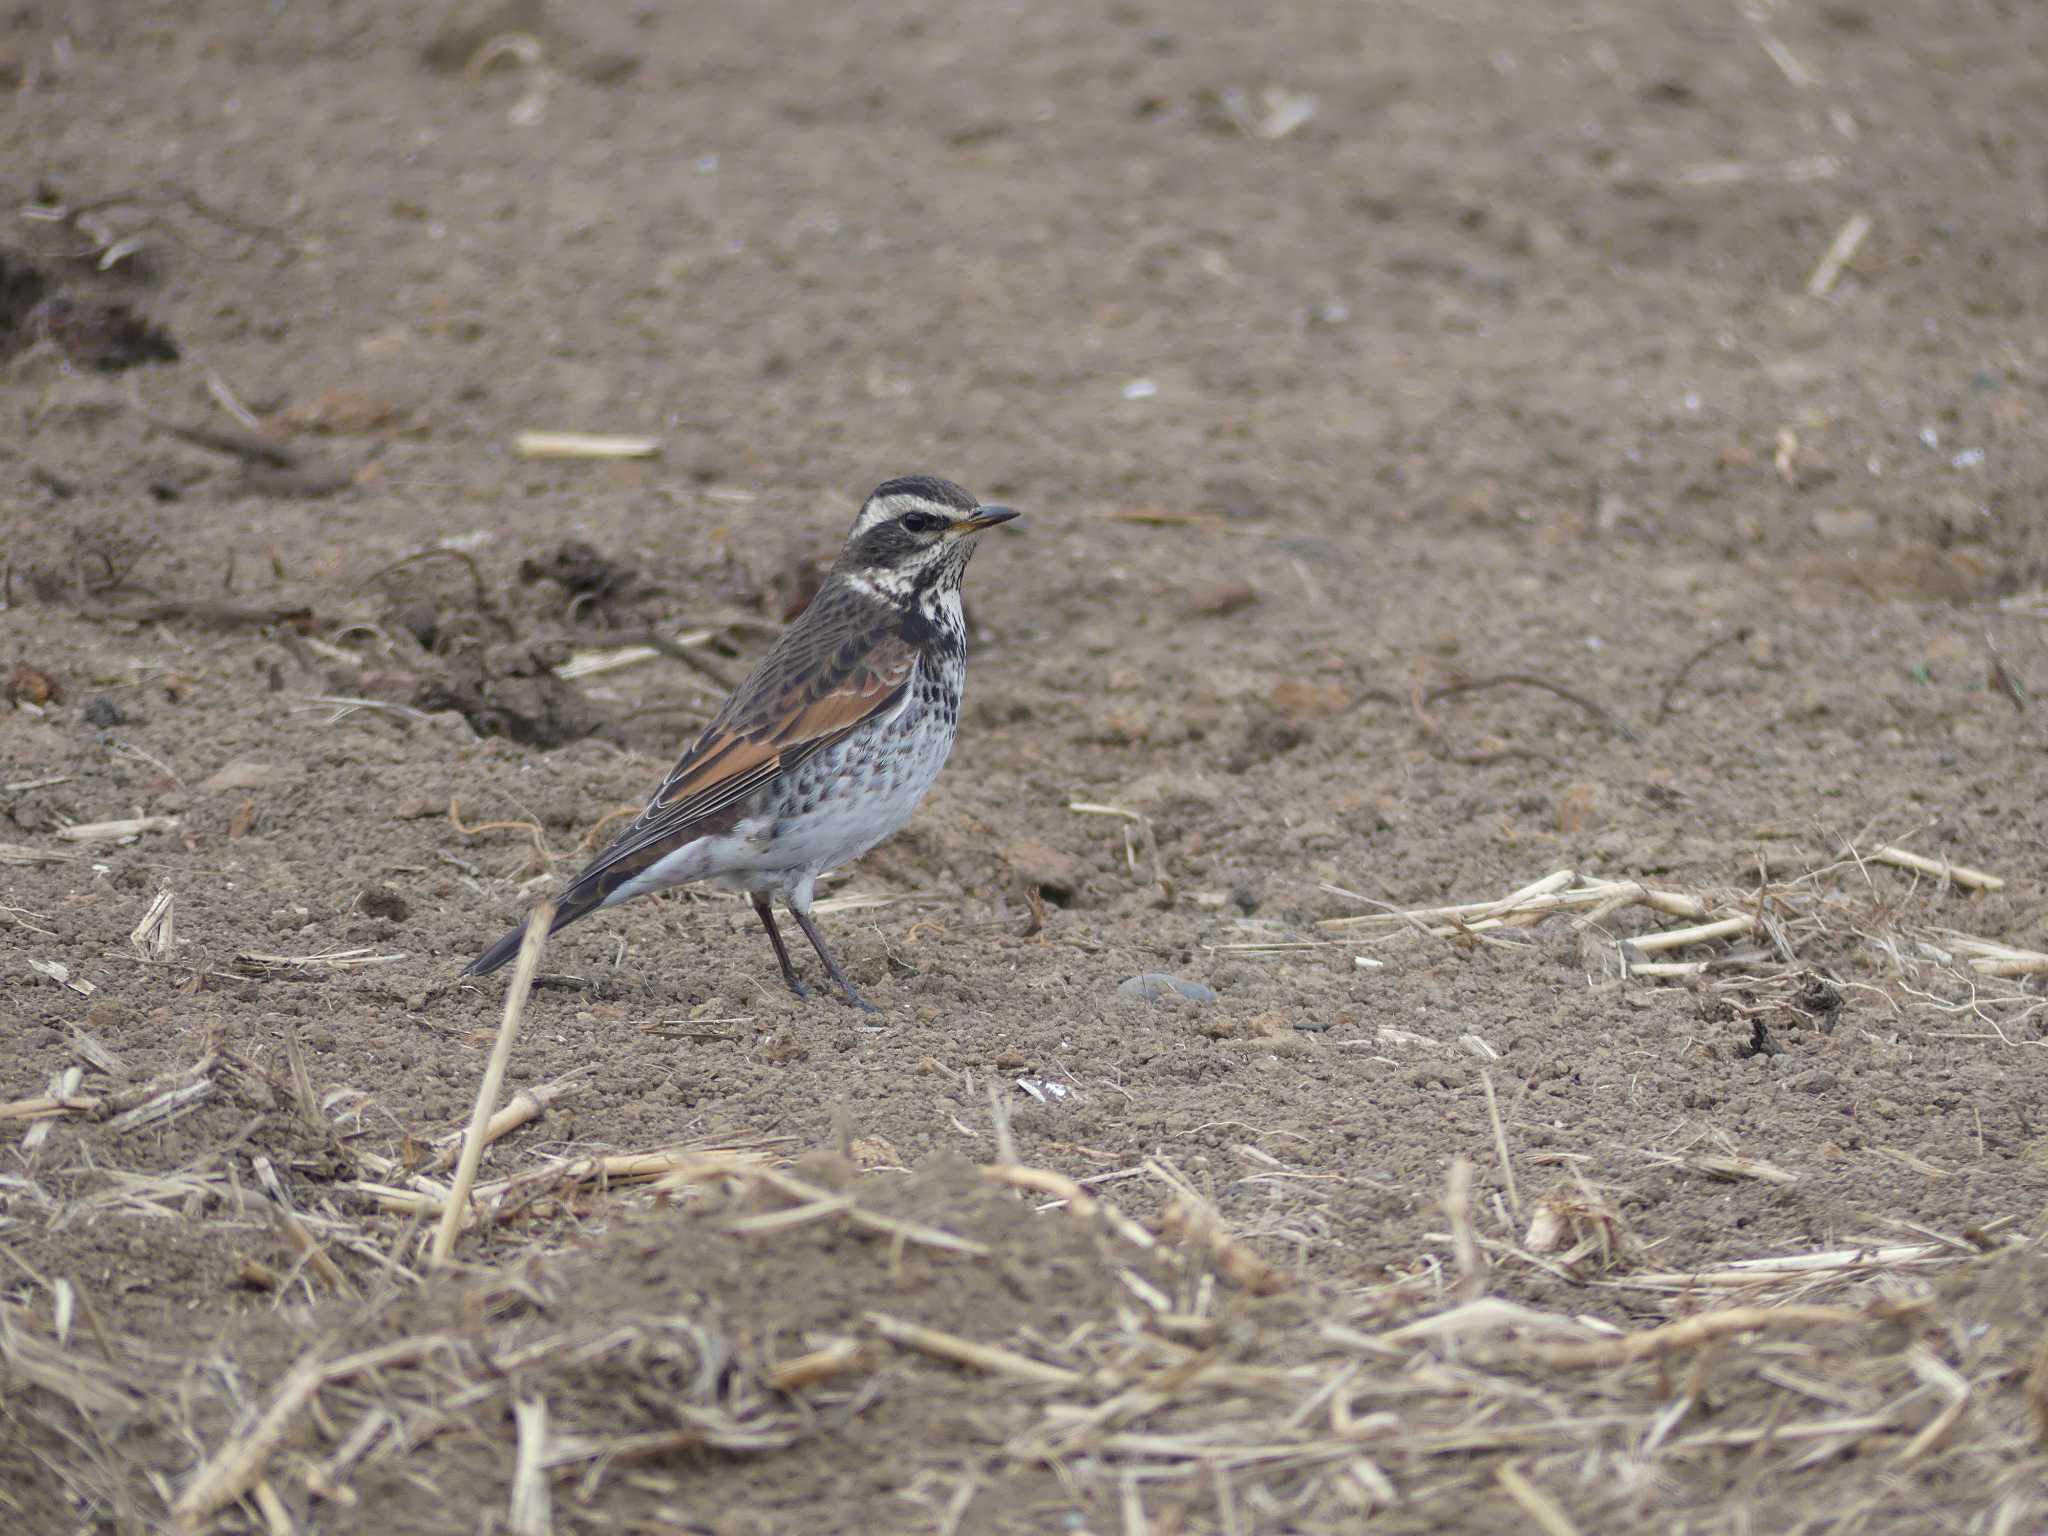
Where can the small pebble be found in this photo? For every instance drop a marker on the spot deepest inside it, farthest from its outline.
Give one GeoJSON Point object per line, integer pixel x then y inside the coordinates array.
{"type": "Point", "coordinates": [1150, 986]}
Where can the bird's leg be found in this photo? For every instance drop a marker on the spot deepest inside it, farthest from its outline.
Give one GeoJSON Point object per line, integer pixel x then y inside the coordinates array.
{"type": "Point", "coordinates": [852, 993]}
{"type": "Point", "coordinates": [766, 913]}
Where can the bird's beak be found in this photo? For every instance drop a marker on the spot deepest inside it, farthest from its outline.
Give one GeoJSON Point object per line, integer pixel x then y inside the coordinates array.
{"type": "Point", "coordinates": [984, 517]}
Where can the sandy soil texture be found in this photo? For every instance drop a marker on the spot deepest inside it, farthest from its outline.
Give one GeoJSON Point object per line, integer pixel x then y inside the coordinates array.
{"type": "Point", "coordinates": [1592, 455]}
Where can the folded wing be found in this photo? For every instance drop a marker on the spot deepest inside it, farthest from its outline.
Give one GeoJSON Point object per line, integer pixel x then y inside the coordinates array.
{"type": "Point", "coordinates": [828, 675]}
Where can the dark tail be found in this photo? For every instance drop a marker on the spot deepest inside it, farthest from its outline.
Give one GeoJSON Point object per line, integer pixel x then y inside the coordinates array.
{"type": "Point", "coordinates": [626, 858]}
{"type": "Point", "coordinates": [572, 907]}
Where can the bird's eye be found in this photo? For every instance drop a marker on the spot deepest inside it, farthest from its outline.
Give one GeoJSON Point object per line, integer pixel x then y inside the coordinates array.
{"type": "Point", "coordinates": [921, 522]}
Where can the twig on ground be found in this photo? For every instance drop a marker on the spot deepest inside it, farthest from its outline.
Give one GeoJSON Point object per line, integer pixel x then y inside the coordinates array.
{"type": "Point", "coordinates": [1539, 1506]}
{"type": "Point", "coordinates": [1737, 636]}
{"type": "Point", "coordinates": [231, 1470]}
{"type": "Point", "coordinates": [116, 831]}
{"type": "Point", "coordinates": [203, 611]}
{"type": "Point", "coordinates": [1464, 1241]}
{"type": "Point", "coordinates": [1688, 1332]}
{"type": "Point", "coordinates": [1525, 680]}
{"type": "Point", "coordinates": [242, 445]}
{"type": "Point", "coordinates": [479, 588]}
{"type": "Point", "coordinates": [494, 1076]}
{"type": "Point", "coordinates": [532, 1512]}
{"type": "Point", "coordinates": [982, 1357]}
{"type": "Point", "coordinates": [1191, 1218]}
{"type": "Point", "coordinates": [1840, 252]}
{"type": "Point", "coordinates": [528, 1105]}
{"type": "Point", "coordinates": [1940, 869]}
{"type": "Point", "coordinates": [1500, 1144]}
{"type": "Point", "coordinates": [583, 445]}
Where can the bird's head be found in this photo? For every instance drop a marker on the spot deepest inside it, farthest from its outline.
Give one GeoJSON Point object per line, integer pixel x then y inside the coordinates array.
{"type": "Point", "coordinates": [914, 537]}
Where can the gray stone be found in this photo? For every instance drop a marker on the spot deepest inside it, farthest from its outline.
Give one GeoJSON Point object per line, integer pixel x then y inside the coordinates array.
{"type": "Point", "coordinates": [1150, 986]}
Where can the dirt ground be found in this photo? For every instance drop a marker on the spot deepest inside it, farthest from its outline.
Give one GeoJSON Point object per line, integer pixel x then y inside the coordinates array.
{"type": "Point", "coordinates": [1457, 443]}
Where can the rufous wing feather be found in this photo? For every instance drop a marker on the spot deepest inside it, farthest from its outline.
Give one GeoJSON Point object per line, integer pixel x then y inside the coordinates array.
{"type": "Point", "coordinates": [821, 682]}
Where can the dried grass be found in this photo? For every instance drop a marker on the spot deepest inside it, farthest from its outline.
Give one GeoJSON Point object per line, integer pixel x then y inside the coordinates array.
{"type": "Point", "coordinates": [1799, 936]}
{"type": "Point", "coordinates": [1326, 1405]}
{"type": "Point", "coordinates": [1211, 1381]}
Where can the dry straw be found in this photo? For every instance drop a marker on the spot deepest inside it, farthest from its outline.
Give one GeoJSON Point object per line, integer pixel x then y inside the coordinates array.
{"type": "Point", "coordinates": [523, 972]}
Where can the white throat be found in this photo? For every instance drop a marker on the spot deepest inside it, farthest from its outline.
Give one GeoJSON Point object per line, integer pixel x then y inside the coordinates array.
{"type": "Point", "coordinates": [885, 586]}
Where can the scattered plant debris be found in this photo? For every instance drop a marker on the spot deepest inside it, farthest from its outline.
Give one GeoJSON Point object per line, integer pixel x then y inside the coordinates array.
{"type": "Point", "coordinates": [512, 691]}
{"type": "Point", "coordinates": [592, 585]}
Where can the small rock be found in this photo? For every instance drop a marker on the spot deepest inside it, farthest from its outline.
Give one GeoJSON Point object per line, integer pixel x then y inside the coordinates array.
{"type": "Point", "coordinates": [245, 774]}
{"type": "Point", "coordinates": [1305, 700]}
{"type": "Point", "coordinates": [872, 1152]}
{"type": "Point", "coordinates": [785, 1046]}
{"type": "Point", "coordinates": [1222, 599]}
{"type": "Point", "coordinates": [1151, 986]}
{"type": "Point", "coordinates": [1581, 808]}
{"type": "Point", "coordinates": [1615, 843]}
{"type": "Point", "coordinates": [32, 685]}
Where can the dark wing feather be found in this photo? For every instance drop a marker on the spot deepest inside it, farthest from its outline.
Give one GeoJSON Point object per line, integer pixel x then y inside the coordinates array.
{"type": "Point", "coordinates": [844, 662]}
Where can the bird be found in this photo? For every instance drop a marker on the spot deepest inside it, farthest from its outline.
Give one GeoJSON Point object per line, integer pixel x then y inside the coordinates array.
{"type": "Point", "coordinates": [827, 746]}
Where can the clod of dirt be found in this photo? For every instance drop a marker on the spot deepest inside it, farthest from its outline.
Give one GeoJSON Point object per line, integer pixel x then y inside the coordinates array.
{"type": "Point", "coordinates": [106, 337]}
{"type": "Point", "coordinates": [516, 696]}
{"type": "Point", "coordinates": [31, 685]}
{"type": "Point", "coordinates": [591, 583]}
{"type": "Point", "coordinates": [1759, 1043]}
{"type": "Point", "coordinates": [1581, 808]}
{"type": "Point", "coordinates": [381, 901]}
{"type": "Point", "coordinates": [1265, 739]}
{"type": "Point", "coordinates": [1821, 1000]}
{"type": "Point", "coordinates": [1233, 499]}
{"type": "Point", "coordinates": [1270, 1028]}
{"type": "Point", "coordinates": [421, 620]}
{"type": "Point", "coordinates": [1304, 700]}
{"type": "Point", "coordinates": [1058, 877]}
{"type": "Point", "coordinates": [22, 287]}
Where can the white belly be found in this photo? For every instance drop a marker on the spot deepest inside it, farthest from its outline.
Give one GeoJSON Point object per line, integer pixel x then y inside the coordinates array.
{"type": "Point", "coordinates": [831, 810]}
